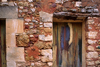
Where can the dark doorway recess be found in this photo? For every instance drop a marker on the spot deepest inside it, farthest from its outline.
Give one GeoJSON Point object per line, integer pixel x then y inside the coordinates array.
{"type": "Point", "coordinates": [2, 43]}
{"type": "Point", "coordinates": [67, 37]}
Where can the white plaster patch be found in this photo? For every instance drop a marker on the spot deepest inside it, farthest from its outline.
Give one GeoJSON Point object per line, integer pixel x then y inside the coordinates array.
{"type": "Point", "coordinates": [46, 16]}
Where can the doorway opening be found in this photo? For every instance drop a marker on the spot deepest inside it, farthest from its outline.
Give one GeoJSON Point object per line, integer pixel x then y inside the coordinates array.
{"type": "Point", "coordinates": [67, 37]}
{"type": "Point", "coordinates": [2, 43]}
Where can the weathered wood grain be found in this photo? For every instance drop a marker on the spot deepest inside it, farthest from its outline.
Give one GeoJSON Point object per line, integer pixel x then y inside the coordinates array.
{"type": "Point", "coordinates": [67, 44]}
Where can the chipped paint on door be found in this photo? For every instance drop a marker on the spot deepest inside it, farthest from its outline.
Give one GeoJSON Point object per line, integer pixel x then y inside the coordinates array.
{"type": "Point", "coordinates": [67, 45]}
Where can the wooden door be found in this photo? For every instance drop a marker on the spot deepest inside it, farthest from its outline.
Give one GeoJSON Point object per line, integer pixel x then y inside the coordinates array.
{"type": "Point", "coordinates": [2, 44]}
{"type": "Point", "coordinates": [67, 45]}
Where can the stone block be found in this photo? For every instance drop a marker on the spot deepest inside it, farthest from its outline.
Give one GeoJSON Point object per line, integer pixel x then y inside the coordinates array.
{"type": "Point", "coordinates": [50, 63]}
{"type": "Point", "coordinates": [40, 44]}
{"type": "Point", "coordinates": [20, 64]}
{"type": "Point", "coordinates": [46, 16]}
{"type": "Point", "coordinates": [14, 26]}
{"type": "Point", "coordinates": [10, 40]}
{"type": "Point", "coordinates": [47, 55]}
{"type": "Point", "coordinates": [90, 21]}
{"type": "Point", "coordinates": [92, 55]}
{"type": "Point", "coordinates": [22, 40]}
{"type": "Point", "coordinates": [90, 48]}
{"type": "Point", "coordinates": [45, 38]}
{"type": "Point", "coordinates": [48, 30]}
{"type": "Point", "coordinates": [11, 64]}
{"type": "Point", "coordinates": [78, 4]}
{"type": "Point", "coordinates": [47, 24]}
{"type": "Point", "coordinates": [91, 34]}
{"type": "Point", "coordinates": [9, 12]}
{"type": "Point", "coordinates": [91, 41]}
{"type": "Point", "coordinates": [90, 63]}
{"type": "Point", "coordinates": [15, 54]}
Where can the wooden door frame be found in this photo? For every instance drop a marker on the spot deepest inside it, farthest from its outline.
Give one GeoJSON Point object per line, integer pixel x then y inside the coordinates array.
{"type": "Point", "coordinates": [83, 38]}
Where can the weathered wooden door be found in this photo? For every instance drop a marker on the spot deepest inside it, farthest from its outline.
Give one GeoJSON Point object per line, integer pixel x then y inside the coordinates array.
{"type": "Point", "coordinates": [67, 44]}
{"type": "Point", "coordinates": [2, 44]}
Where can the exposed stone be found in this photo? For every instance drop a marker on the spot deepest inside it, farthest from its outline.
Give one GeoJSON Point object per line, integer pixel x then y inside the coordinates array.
{"type": "Point", "coordinates": [45, 16]}
{"type": "Point", "coordinates": [32, 64]}
{"type": "Point", "coordinates": [47, 55]}
{"type": "Point", "coordinates": [91, 34]}
{"type": "Point", "coordinates": [90, 48]}
{"type": "Point", "coordinates": [22, 40]}
{"type": "Point", "coordinates": [50, 63]}
{"type": "Point", "coordinates": [11, 3]}
{"type": "Point", "coordinates": [41, 37]}
{"type": "Point", "coordinates": [48, 38]}
{"type": "Point", "coordinates": [90, 21]}
{"type": "Point", "coordinates": [40, 44]}
{"type": "Point", "coordinates": [27, 19]}
{"type": "Point", "coordinates": [39, 63]}
{"type": "Point", "coordinates": [48, 30]}
{"type": "Point", "coordinates": [90, 63]}
{"type": "Point", "coordinates": [48, 45]}
{"type": "Point", "coordinates": [8, 12]}
{"type": "Point", "coordinates": [92, 55]}
{"type": "Point", "coordinates": [47, 24]}
{"type": "Point", "coordinates": [25, 10]}
{"type": "Point", "coordinates": [91, 41]}
{"type": "Point", "coordinates": [41, 26]}
{"type": "Point", "coordinates": [30, 0]}
{"type": "Point", "coordinates": [97, 62]}
{"type": "Point", "coordinates": [33, 9]}
{"type": "Point", "coordinates": [78, 4]}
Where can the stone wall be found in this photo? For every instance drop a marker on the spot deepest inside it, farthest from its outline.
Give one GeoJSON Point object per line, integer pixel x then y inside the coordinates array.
{"type": "Point", "coordinates": [32, 46]}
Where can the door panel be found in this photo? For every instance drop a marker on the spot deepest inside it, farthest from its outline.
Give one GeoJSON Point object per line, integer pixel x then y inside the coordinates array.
{"type": "Point", "coordinates": [67, 45]}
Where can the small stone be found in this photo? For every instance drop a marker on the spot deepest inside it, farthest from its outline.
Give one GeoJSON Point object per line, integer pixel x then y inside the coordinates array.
{"type": "Point", "coordinates": [47, 55]}
{"type": "Point", "coordinates": [11, 3]}
{"type": "Point", "coordinates": [25, 10]}
{"type": "Point", "coordinates": [40, 25]}
{"type": "Point", "coordinates": [47, 24]}
{"type": "Point", "coordinates": [48, 38]}
{"type": "Point", "coordinates": [20, 3]}
{"type": "Point", "coordinates": [40, 44]}
{"type": "Point", "coordinates": [46, 16]}
{"type": "Point", "coordinates": [41, 22]}
{"type": "Point", "coordinates": [91, 34]}
{"type": "Point", "coordinates": [48, 30]}
{"type": "Point", "coordinates": [26, 23]}
{"type": "Point", "coordinates": [34, 21]}
{"type": "Point", "coordinates": [21, 7]}
{"type": "Point", "coordinates": [30, 23]}
{"type": "Point", "coordinates": [30, 0]}
{"type": "Point", "coordinates": [31, 36]}
{"type": "Point", "coordinates": [41, 37]}
{"type": "Point", "coordinates": [31, 27]}
{"type": "Point", "coordinates": [50, 63]}
{"type": "Point", "coordinates": [25, 4]}
{"type": "Point", "coordinates": [33, 9]}
{"type": "Point", "coordinates": [92, 55]}
{"type": "Point", "coordinates": [96, 10]}
{"type": "Point", "coordinates": [91, 41]}
{"type": "Point", "coordinates": [20, 11]}
{"type": "Point", "coordinates": [90, 21]}
{"type": "Point", "coordinates": [90, 48]}
{"type": "Point", "coordinates": [97, 62]}
{"type": "Point", "coordinates": [90, 63]}
{"type": "Point", "coordinates": [32, 64]}
{"type": "Point", "coordinates": [78, 4]}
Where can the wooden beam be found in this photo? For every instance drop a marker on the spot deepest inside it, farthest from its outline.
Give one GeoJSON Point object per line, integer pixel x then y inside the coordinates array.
{"type": "Point", "coordinates": [65, 20]}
